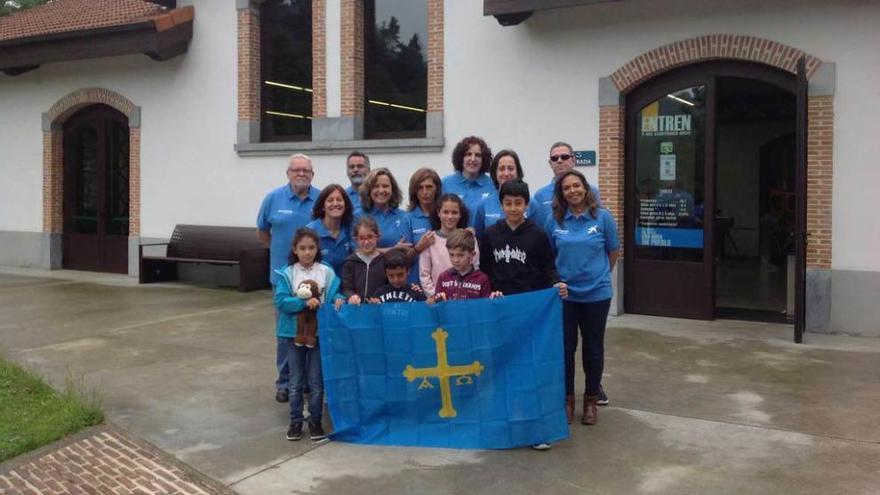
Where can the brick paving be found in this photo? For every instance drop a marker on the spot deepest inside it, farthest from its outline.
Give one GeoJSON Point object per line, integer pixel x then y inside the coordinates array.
{"type": "Point", "coordinates": [106, 462]}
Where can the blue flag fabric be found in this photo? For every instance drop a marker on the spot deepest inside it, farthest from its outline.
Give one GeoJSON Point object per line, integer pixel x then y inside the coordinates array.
{"type": "Point", "coordinates": [480, 373]}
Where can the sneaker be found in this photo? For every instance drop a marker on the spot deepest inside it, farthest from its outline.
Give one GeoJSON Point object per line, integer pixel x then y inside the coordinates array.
{"type": "Point", "coordinates": [541, 446]}
{"type": "Point", "coordinates": [295, 432]}
{"type": "Point", "coordinates": [281, 395]}
{"type": "Point", "coordinates": [602, 399]}
{"type": "Point", "coordinates": [316, 431]}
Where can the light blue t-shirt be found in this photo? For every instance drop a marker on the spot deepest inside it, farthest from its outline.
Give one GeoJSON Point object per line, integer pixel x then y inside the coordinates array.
{"type": "Point", "coordinates": [489, 211]}
{"type": "Point", "coordinates": [420, 223]}
{"type": "Point", "coordinates": [582, 244]}
{"type": "Point", "coordinates": [354, 196]}
{"type": "Point", "coordinates": [471, 192]}
{"type": "Point", "coordinates": [393, 225]}
{"type": "Point", "coordinates": [281, 213]}
{"type": "Point", "coordinates": [333, 250]}
{"type": "Point", "coordinates": [544, 200]}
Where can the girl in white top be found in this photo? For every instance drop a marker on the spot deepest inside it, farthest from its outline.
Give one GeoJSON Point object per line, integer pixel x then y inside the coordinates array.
{"type": "Point", "coordinates": [449, 215]}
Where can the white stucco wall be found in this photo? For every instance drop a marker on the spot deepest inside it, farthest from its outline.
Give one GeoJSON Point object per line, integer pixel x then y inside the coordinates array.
{"type": "Point", "coordinates": [522, 87]}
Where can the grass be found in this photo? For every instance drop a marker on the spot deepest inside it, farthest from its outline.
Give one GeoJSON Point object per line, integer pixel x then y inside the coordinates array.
{"type": "Point", "coordinates": [32, 414]}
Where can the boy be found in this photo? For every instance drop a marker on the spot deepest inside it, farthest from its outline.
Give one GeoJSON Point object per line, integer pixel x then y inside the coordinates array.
{"type": "Point", "coordinates": [462, 281]}
{"type": "Point", "coordinates": [516, 254]}
{"type": "Point", "coordinates": [397, 290]}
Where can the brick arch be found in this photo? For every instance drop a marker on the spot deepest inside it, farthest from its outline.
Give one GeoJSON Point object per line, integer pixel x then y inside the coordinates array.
{"type": "Point", "coordinates": [710, 47]}
{"type": "Point", "coordinates": [53, 154]}
{"type": "Point", "coordinates": [79, 99]}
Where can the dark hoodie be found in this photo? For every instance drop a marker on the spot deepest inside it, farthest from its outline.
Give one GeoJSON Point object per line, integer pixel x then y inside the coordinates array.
{"type": "Point", "coordinates": [518, 260]}
{"type": "Point", "coordinates": [360, 279]}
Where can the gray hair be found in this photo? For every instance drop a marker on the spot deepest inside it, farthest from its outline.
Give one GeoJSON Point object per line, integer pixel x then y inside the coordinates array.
{"type": "Point", "coordinates": [299, 155]}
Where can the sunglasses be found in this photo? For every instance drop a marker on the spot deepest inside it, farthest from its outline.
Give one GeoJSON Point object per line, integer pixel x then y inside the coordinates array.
{"type": "Point", "coordinates": [559, 158]}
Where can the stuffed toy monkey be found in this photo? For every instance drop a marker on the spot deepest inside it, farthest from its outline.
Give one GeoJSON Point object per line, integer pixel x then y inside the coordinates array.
{"type": "Point", "coordinates": [307, 319]}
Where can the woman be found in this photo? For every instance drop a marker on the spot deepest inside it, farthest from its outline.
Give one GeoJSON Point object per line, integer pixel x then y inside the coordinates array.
{"type": "Point", "coordinates": [470, 159]}
{"type": "Point", "coordinates": [424, 193]}
{"type": "Point", "coordinates": [505, 167]}
{"type": "Point", "coordinates": [380, 199]}
{"type": "Point", "coordinates": [584, 238]}
{"type": "Point", "coordinates": [332, 216]}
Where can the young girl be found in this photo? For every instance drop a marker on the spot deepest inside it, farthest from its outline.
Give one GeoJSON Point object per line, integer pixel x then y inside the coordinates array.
{"type": "Point", "coordinates": [434, 260]}
{"type": "Point", "coordinates": [364, 271]}
{"type": "Point", "coordinates": [305, 362]}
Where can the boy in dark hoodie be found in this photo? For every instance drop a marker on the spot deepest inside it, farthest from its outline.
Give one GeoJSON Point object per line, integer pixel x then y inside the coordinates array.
{"type": "Point", "coordinates": [515, 252]}
{"type": "Point", "coordinates": [397, 289]}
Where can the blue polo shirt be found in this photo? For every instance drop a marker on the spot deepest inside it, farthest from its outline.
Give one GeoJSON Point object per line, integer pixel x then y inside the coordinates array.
{"type": "Point", "coordinates": [333, 250]}
{"type": "Point", "coordinates": [543, 198]}
{"type": "Point", "coordinates": [393, 224]}
{"type": "Point", "coordinates": [470, 191]}
{"type": "Point", "coordinates": [582, 244]}
{"type": "Point", "coordinates": [489, 211]}
{"type": "Point", "coordinates": [354, 196]}
{"type": "Point", "coordinates": [281, 213]}
{"type": "Point", "coordinates": [420, 223]}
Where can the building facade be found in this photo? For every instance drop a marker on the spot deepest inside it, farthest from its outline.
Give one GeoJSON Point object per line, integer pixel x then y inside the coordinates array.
{"type": "Point", "coordinates": [691, 107]}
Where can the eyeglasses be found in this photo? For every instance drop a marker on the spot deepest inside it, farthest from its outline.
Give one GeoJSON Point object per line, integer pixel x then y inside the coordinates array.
{"type": "Point", "coordinates": [300, 171]}
{"type": "Point", "coordinates": [560, 158]}
{"type": "Point", "coordinates": [366, 237]}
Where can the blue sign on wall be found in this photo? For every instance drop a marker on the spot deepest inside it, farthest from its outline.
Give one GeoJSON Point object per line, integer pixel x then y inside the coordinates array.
{"type": "Point", "coordinates": [585, 158]}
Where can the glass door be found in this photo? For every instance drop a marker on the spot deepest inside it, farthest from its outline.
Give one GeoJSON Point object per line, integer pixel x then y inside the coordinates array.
{"type": "Point", "coordinates": [670, 168]}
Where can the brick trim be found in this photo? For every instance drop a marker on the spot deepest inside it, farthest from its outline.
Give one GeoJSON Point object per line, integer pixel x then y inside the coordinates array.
{"type": "Point", "coordinates": [436, 51]}
{"type": "Point", "coordinates": [53, 154]}
{"type": "Point", "coordinates": [710, 47]}
{"type": "Point", "coordinates": [249, 65]}
{"type": "Point", "coordinates": [319, 58]}
{"type": "Point", "coordinates": [352, 55]}
{"type": "Point", "coordinates": [820, 179]}
{"type": "Point", "coordinates": [611, 169]}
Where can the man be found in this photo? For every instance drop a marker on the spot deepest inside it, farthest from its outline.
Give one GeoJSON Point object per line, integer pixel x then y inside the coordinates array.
{"type": "Point", "coordinates": [284, 210]}
{"type": "Point", "coordinates": [561, 160]}
{"type": "Point", "coordinates": [357, 166]}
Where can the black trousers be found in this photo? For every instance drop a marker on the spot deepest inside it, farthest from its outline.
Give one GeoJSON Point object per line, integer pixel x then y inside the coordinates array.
{"type": "Point", "coordinates": [590, 318]}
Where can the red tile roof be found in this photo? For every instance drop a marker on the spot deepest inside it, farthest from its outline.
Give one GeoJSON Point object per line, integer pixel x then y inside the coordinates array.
{"type": "Point", "coordinates": [61, 16]}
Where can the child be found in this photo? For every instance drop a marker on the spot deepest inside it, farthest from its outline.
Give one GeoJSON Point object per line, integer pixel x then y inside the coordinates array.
{"type": "Point", "coordinates": [449, 215]}
{"type": "Point", "coordinates": [462, 281]}
{"type": "Point", "coordinates": [517, 255]}
{"type": "Point", "coordinates": [305, 362]}
{"type": "Point", "coordinates": [364, 270]}
{"type": "Point", "coordinates": [397, 289]}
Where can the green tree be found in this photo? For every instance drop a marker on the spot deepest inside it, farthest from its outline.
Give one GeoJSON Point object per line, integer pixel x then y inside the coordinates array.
{"type": "Point", "coordinates": [9, 6]}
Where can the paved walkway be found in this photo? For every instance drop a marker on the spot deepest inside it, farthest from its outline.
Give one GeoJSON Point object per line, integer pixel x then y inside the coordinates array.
{"type": "Point", "coordinates": [103, 460]}
{"type": "Point", "coordinates": [696, 407]}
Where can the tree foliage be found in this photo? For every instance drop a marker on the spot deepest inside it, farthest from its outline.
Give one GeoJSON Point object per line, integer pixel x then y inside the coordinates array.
{"type": "Point", "coordinates": [9, 6]}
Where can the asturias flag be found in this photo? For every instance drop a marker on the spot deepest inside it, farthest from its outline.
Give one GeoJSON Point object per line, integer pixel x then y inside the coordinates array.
{"type": "Point", "coordinates": [464, 374]}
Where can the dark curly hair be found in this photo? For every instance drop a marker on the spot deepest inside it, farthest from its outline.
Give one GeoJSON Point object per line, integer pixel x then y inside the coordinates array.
{"type": "Point", "coordinates": [462, 147]}
{"type": "Point", "coordinates": [318, 210]}
{"type": "Point", "coordinates": [559, 202]}
{"type": "Point", "coordinates": [493, 167]}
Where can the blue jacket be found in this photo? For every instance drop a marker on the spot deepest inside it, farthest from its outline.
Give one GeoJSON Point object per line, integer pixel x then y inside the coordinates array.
{"type": "Point", "coordinates": [289, 304]}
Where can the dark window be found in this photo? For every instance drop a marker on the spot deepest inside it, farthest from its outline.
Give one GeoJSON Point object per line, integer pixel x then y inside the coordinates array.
{"type": "Point", "coordinates": [286, 61]}
{"type": "Point", "coordinates": [396, 69]}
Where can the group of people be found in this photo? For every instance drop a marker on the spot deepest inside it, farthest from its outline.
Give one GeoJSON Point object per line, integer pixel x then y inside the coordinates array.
{"type": "Point", "coordinates": [475, 233]}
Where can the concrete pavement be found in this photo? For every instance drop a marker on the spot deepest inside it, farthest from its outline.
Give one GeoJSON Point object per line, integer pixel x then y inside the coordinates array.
{"type": "Point", "coordinates": [696, 407]}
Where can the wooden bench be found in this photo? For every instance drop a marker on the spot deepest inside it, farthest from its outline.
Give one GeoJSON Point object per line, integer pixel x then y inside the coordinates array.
{"type": "Point", "coordinates": [214, 245]}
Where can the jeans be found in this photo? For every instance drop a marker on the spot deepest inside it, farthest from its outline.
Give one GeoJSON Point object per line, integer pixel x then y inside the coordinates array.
{"type": "Point", "coordinates": [591, 318]}
{"type": "Point", "coordinates": [305, 368]}
{"type": "Point", "coordinates": [283, 380]}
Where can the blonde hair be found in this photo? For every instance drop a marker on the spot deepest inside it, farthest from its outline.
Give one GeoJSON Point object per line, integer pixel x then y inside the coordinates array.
{"type": "Point", "coordinates": [461, 239]}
